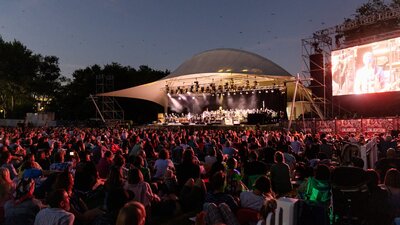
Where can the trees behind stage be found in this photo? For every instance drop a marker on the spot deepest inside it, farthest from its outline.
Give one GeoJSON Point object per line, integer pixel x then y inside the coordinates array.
{"type": "Point", "coordinates": [84, 84]}
{"type": "Point", "coordinates": [31, 83]}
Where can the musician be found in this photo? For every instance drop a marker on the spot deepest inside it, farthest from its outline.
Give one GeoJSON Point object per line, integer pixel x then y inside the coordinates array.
{"type": "Point", "coordinates": [368, 77]}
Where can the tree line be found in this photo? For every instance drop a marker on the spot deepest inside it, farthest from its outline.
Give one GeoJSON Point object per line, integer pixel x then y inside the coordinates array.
{"type": "Point", "coordinates": [32, 82]}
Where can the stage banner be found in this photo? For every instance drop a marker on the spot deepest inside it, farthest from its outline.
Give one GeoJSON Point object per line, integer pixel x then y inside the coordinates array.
{"type": "Point", "coordinates": [325, 126]}
{"type": "Point", "coordinates": [307, 126]}
{"type": "Point", "coordinates": [383, 125]}
{"type": "Point", "coordinates": [348, 126]}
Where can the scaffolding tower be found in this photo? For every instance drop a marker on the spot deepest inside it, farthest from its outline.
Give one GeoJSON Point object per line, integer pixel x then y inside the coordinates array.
{"type": "Point", "coordinates": [319, 44]}
{"type": "Point", "coordinates": [108, 109]}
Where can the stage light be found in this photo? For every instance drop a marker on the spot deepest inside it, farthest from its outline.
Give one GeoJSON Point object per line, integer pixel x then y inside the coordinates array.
{"type": "Point", "coordinates": [193, 97]}
{"type": "Point", "coordinates": [252, 92]}
{"type": "Point", "coordinates": [241, 93]}
{"type": "Point", "coordinates": [266, 91]}
{"type": "Point", "coordinates": [272, 91]}
{"type": "Point", "coordinates": [247, 92]}
{"type": "Point", "coordinates": [259, 92]}
{"type": "Point", "coordinates": [179, 98]}
{"type": "Point", "coordinates": [234, 93]}
{"type": "Point", "coordinates": [223, 94]}
{"type": "Point", "coordinates": [229, 93]}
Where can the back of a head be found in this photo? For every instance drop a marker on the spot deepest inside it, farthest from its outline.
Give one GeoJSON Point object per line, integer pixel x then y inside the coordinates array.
{"type": "Point", "coordinates": [4, 175]}
{"type": "Point", "coordinates": [135, 176]}
{"type": "Point", "coordinates": [217, 181]}
{"type": "Point", "coordinates": [114, 179]}
{"type": "Point", "coordinates": [322, 172]}
{"type": "Point", "coordinates": [212, 152]}
{"type": "Point", "coordinates": [24, 189]}
{"type": "Point", "coordinates": [278, 157]}
{"type": "Point", "coordinates": [138, 161]}
{"type": "Point", "coordinates": [64, 180]}
{"type": "Point", "coordinates": [253, 156]}
{"type": "Point", "coordinates": [5, 156]}
{"type": "Point", "coordinates": [357, 162]}
{"type": "Point", "coordinates": [263, 184]}
{"type": "Point", "coordinates": [118, 160]}
{"type": "Point", "coordinates": [55, 198]}
{"type": "Point", "coordinates": [188, 155]}
{"type": "Point", "coordinates": [373, 178]}
{"type": "Point", "coordinates": [163, 154]}
{"type": "Point", "coordinates": [107, 154]}
{"type": "Point", "coordinates": [133, 213]}
{"type": "Point", "coordinates": [392, 178]}
{"type": "Point", "coordinates": [116, 199]}
{"type": "Point", "coordinates": [231, 163]}
{"type": "Point", "coordinates": [391, 153]}
{"type": "Point", "coordinates": [59, 157]}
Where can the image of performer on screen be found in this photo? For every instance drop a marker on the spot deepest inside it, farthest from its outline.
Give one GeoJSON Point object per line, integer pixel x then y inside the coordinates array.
{"type": "Point", "coordinates": [369, 76]}
{"type": "Point", "coordinates": [342, 81]}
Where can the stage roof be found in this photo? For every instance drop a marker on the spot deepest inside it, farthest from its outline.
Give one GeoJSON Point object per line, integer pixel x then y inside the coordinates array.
{"type": "Point", "coordinates": [228, 61]}
{"type": "Point", "coordinates": [218, 67]}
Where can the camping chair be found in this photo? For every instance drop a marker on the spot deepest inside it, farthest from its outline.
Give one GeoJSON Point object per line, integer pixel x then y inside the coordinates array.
{"type": "Point", "coordinates": [349, 195]}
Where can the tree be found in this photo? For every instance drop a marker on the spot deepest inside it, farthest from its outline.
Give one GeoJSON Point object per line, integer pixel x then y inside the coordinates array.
{"type": "Point", "coordinates": [73, 102]}
{"type": "Point", "coordinates": [372, 7]}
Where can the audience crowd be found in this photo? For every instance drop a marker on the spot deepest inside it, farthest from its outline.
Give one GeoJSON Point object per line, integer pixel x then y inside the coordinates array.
{"type": "Point", "coordinates": [107, 176]}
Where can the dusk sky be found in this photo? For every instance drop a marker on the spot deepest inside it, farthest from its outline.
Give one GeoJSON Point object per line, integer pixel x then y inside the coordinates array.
{"type": "Point", "coordinates": [164, 33]}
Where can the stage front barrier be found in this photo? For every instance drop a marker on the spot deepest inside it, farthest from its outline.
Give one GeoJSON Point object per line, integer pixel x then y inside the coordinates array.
{"type": "Point", "coordinates": [346, 126]}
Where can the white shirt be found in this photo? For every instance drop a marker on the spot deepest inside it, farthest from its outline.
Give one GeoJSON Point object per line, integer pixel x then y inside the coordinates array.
{"type": "Point", "coordinates": [54, 216]}
{"type": "Point", "coordinates": [250, 200]}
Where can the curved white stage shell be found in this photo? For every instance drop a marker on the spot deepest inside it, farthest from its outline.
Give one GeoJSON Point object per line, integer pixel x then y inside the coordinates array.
{"type": "Point", "coordinates": [218, 67]}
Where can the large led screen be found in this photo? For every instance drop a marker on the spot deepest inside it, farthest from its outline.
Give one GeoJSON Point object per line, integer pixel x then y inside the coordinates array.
{"type": "Point", "coordinates": [369, 68]}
